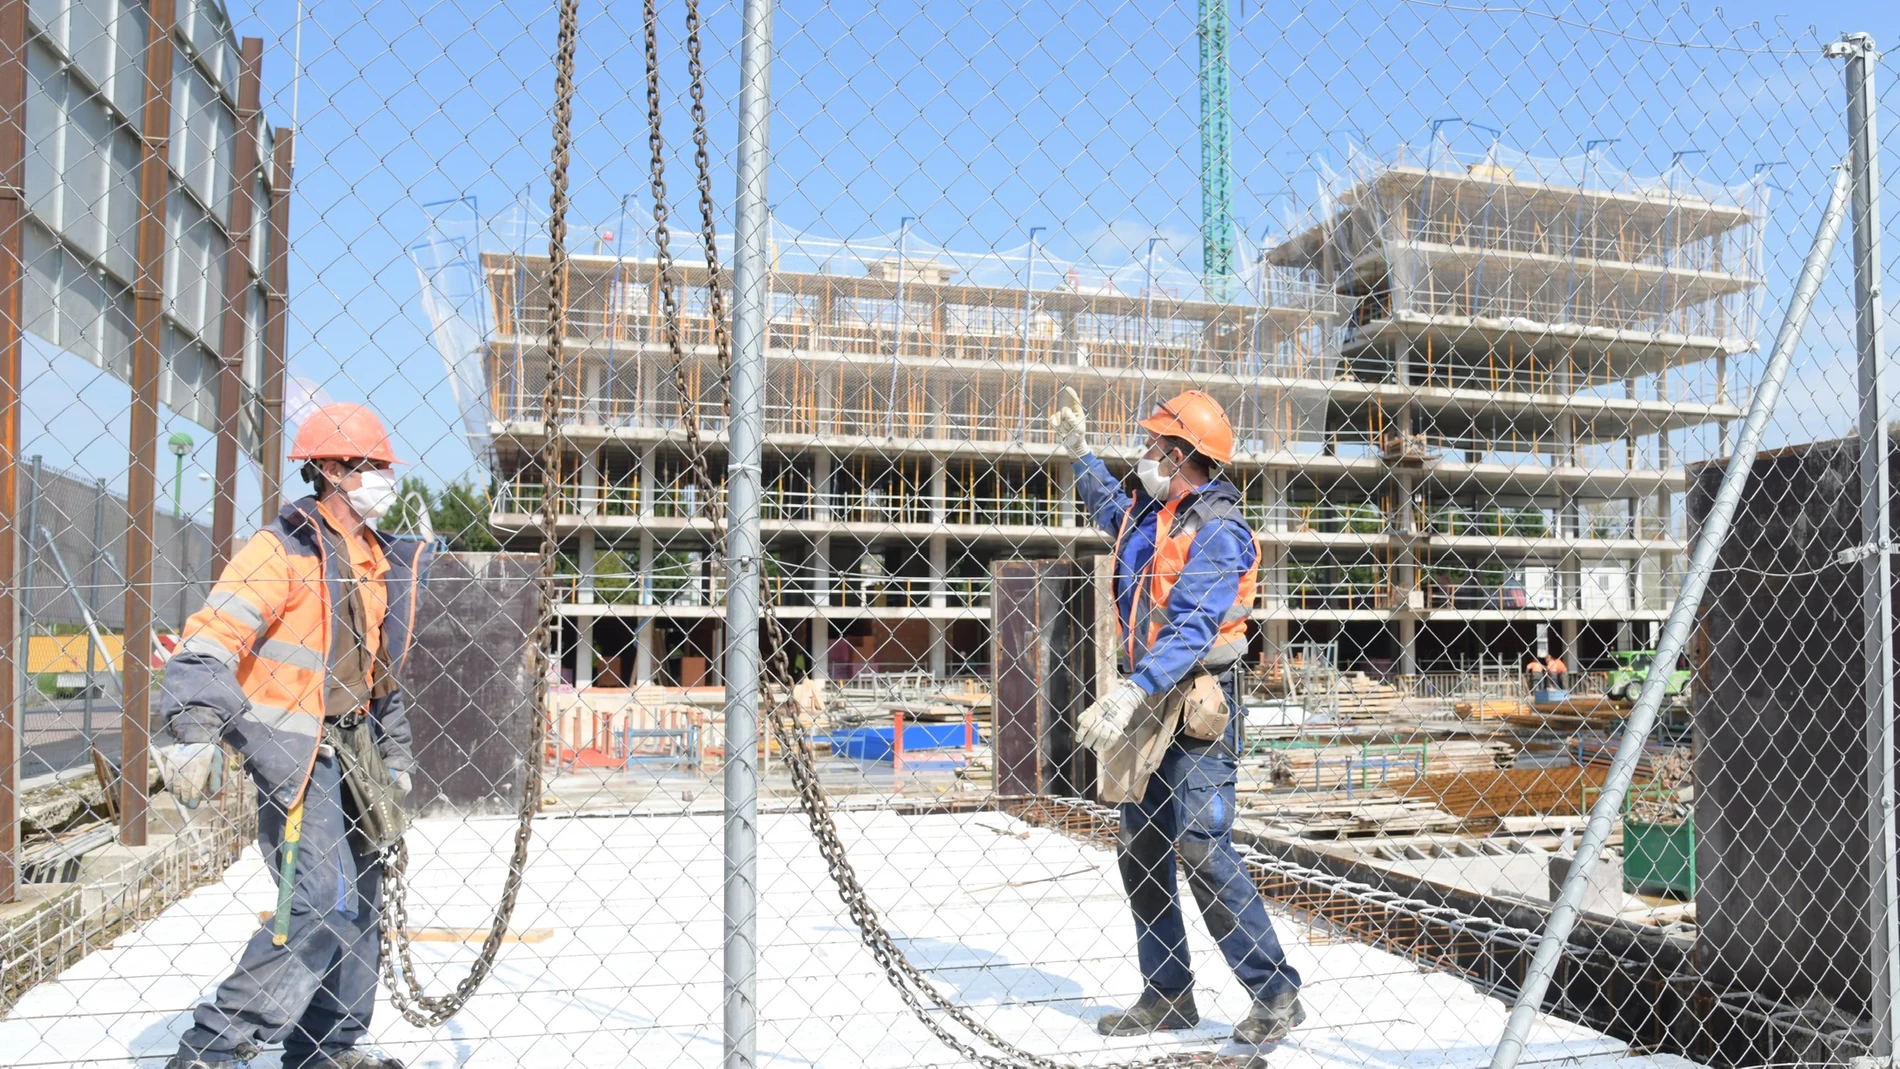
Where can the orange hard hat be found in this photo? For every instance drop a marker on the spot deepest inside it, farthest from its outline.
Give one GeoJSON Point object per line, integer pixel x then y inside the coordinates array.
{"type": "Point", "coordinates": [1198, 419]}
{"type": "Point", "coordinates": [342, 431]}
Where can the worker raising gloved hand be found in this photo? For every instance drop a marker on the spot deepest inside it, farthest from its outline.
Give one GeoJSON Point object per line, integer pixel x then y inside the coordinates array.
{"type": "Point", "coordinates": [1169, 734]}
{"type": "Point", "coordinates": [294, 662]}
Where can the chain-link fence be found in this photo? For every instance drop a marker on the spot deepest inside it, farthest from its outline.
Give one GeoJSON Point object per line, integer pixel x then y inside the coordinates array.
{"type": "Point", "coordinates": [1057, 535]}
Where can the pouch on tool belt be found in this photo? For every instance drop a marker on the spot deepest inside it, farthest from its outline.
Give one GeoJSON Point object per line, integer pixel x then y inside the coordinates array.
{"type": "Point", "coordinates": [1203, 708]}
{"type": "Point", "coordinates": [376, 802]}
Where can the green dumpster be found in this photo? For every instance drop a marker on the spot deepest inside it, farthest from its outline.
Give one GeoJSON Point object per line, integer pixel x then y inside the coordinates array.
{"type": "Point", "coordinates": [1659, 858]}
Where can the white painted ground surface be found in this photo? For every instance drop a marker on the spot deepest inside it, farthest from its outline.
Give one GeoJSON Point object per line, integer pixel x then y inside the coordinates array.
{"type": "Point", "coordinates": [631, 973]}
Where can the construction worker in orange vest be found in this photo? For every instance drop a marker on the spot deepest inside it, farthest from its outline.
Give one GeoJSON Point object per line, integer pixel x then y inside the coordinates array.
{"type": "Point", "coordinates": [302, 638]}
{"type": "Point", "coordinates": [1168, 737]}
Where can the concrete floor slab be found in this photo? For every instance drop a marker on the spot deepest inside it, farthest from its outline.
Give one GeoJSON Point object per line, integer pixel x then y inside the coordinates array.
{"type": "Point", "coordinates": [1024, 925]}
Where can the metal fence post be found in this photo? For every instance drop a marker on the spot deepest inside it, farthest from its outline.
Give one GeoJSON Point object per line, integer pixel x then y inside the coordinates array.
{"type": "Point", "coordinates": [1675, 635]}
{"type": "Point", "coordinates": [1863, 147]}
{"type": "Point", "coordinates": [751, 263]}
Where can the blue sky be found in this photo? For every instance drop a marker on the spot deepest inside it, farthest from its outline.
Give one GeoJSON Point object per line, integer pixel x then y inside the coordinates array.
{"type": "Point", "coordinates": [981, 120]}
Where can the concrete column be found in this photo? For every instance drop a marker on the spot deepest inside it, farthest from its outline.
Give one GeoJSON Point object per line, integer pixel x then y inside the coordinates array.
{"type": "Point", "coordinates": [1408, 644]}
{"type": "Point", "coordinates": [822, 467]}
{"type": "Point", "coordinates": [647, 464]}
{"type": "Point", "coordinates": [1405, 525]}
{"type": "Point", "coordinates": [584, 652]}
{"type": "Point", "coordinates": [939, 571]}
{"type": "Point", "coordinates": [1725, 427]}
{"type": "Point", "coordinates": [1273, 565]}
{"type": "Point", "coordinates": [1067, 513]}
{"type": "Point", "coordinates": [821, 571]}
{"type": "Point", "coordinates": [939, 653]}
{"type": "Point", "coordinates": [1567, 630]}
{"type": "Point", "coordinates": [643, 652]}
{"type": "Point", "coordinates": [939, 491]}
{"type": "Point", "coordinates": [1665, 461]}
{"type": "Point", "coordinates": [590, 479]}
{"type": "Point", "coordinates": [584, 587]}
{"type": "Point", "coordinates": [646, 568]}
{"type": "Point", "coordinates": [592, 405]}
{"type": "Point", "coordinates": [820, 648]}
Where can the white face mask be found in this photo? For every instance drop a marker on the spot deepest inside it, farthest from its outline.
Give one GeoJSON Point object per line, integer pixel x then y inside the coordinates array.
{"type": "Point", "coordinates": [1152, 479]}
{"type": "Point", "coordinates": [374, 496]}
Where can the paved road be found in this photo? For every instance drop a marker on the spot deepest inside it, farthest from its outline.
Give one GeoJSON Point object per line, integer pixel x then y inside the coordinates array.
{"type": "Point", "coordinates": [55, 735]}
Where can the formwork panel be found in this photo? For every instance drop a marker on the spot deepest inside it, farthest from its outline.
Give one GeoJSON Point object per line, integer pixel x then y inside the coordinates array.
{"type": "Point", "coordinates": [470, 682]}
{"type": "Point", "coordinates": [1781, 754]}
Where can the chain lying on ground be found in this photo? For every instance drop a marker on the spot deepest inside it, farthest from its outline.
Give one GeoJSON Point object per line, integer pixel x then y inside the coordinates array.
{"type": "Point", "coordinates": [400, 976]}
{"type": "Point", "coordinates": [925, 1002]}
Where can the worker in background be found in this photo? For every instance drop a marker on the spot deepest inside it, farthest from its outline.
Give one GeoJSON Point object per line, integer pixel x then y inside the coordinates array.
{"type": "Point", "coordinates": [303, 636]}
{"type": "Point", "coordinates": [1168, 737]}
{"type": "Point", "coordinates": [1547, 674]}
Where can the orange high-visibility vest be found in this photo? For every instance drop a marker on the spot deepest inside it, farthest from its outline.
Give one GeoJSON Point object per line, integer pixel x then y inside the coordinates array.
{"type": "Point", "coordinates": [1149, 612]}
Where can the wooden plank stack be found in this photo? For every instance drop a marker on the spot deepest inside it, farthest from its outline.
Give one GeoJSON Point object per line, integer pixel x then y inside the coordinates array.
{"type": "Point", "coordinates": [1326, 768]}
{"type": "Point", "coordinates": [1509, 792]}
{"type": "Point", "coordinates": [1333, 817]}
{"type": "Point", "coordinates": [1360, 697]}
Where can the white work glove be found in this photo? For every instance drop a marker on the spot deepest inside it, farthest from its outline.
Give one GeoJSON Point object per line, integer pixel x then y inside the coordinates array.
{"type": "Point", "coordinates": [1071, 424]}
{"type": "Point", "coordinates": [401, 779]}
{"type": "Point", "coordinates": [193, 771]}
{"type": "Point", "coordinates": [1106, 722]}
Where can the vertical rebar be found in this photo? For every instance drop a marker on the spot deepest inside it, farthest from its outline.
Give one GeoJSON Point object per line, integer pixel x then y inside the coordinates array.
{"type": "Point", "coordinates": [751, 264]}
{"type": "Point", "coordinates": [1642, 716]}
{"type": "Point", "coordinates": [1863, 147]}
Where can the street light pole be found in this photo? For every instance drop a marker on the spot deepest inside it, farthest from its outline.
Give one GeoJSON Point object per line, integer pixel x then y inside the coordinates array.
{"type": "Point", "coordinates": [180, 445]}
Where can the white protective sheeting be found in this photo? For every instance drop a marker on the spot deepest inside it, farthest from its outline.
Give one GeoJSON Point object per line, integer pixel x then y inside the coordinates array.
{"type": "Point", "coordinates": [1024, 924]}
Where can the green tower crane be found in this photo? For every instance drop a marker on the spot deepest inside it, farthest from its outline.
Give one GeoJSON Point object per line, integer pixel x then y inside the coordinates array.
{"type": "Point", "coordinates": [1217, 179]}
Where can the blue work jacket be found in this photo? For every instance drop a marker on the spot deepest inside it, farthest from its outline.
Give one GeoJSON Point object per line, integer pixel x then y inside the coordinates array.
{"type": "Point", "coordinates": [1221, 551]}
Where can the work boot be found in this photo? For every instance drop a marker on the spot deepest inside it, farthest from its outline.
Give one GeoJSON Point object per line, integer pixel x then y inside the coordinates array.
{"type": "Point", "coordinates": [1270, 1021]}
{"type": "Point", "coordinates": [1151, 1013]}
{"type": "Point", "coordinates": [347, 1058]}
{"type": "Point", "coordinates": [236, 1058]}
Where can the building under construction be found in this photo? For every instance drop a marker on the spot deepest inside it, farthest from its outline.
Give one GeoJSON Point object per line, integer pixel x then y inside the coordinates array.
{"type": "Point", "coordinates": [1460, 394]}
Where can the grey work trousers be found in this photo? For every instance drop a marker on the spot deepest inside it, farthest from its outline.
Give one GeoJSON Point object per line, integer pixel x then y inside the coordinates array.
{"type": "Point", "coordinates": [316, 992]}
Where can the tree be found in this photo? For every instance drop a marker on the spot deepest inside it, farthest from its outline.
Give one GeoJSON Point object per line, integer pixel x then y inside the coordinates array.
{"type": "Point", "coordinates": [461, 516]}
{"type": "Point", "coordinates": [412, 496]}
{"type": "Point", "coordinates": [458, 512]}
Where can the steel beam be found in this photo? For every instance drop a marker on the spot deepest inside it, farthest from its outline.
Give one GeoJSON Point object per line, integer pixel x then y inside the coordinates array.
{"type": "Point", "coordinates": [238, 289]}
{"type": "Point", "coordinates": [148, 318]}
{"type": "Point", "coordinates": [12, 271]}
{"type": "Point", "coordinates": [270, 446]}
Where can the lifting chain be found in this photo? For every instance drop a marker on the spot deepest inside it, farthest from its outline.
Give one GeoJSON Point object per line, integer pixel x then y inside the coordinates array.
{"type": "Point", "coordinates": [399, 970]}
{"type": "Point", "coordinates": [919, 994]}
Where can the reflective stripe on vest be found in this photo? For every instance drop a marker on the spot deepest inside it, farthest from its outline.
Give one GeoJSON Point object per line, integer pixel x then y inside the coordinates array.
{"type": "Point", "coordinates": [1155, 586]}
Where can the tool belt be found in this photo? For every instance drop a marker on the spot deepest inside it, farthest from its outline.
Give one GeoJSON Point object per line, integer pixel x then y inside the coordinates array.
{"type": "Point", "coordinates": [1204, 712]}
{"type": "Point", "coordinates": [374, 801]}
